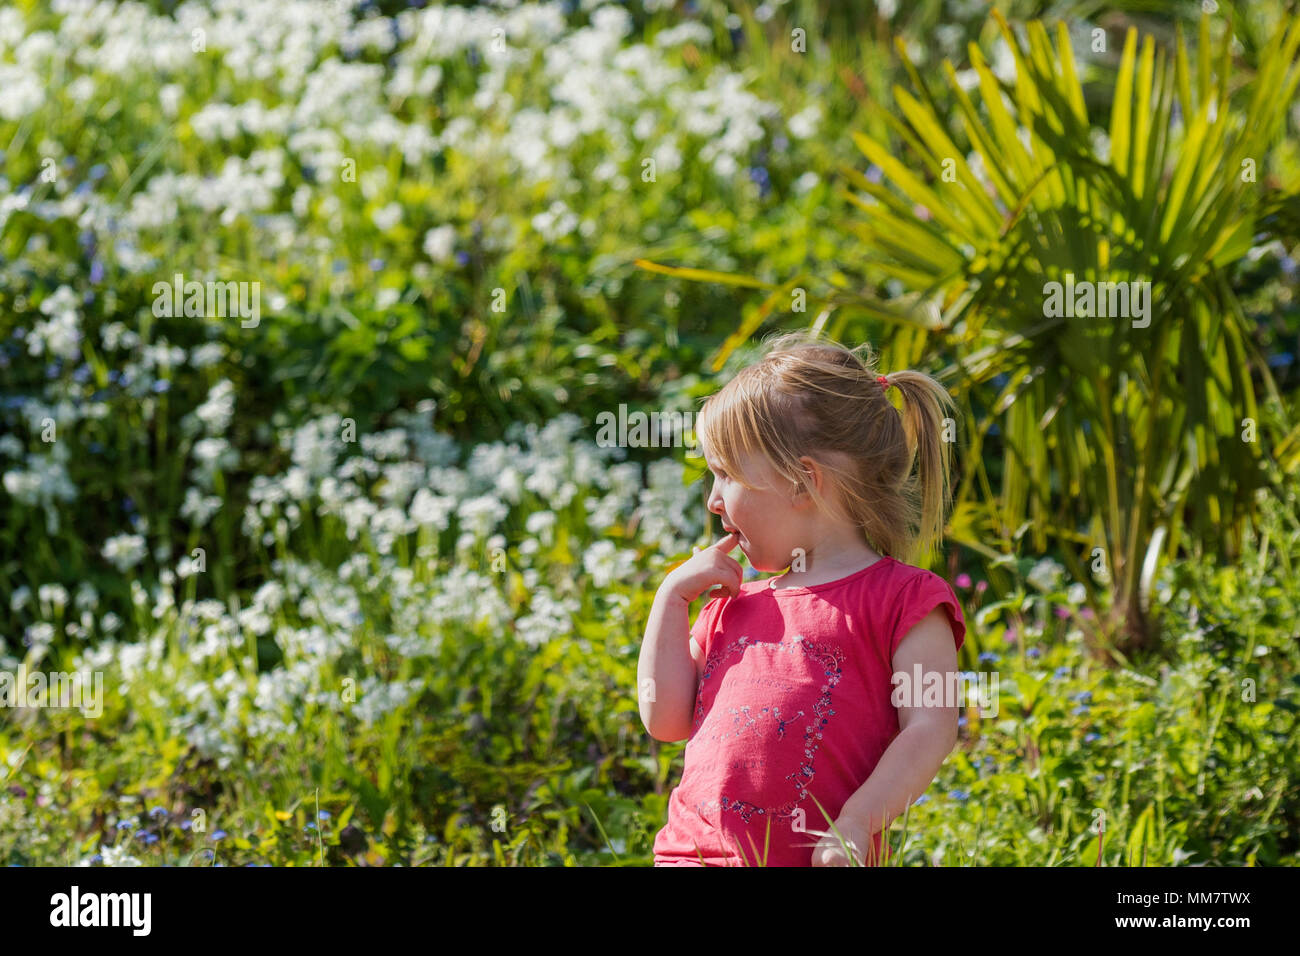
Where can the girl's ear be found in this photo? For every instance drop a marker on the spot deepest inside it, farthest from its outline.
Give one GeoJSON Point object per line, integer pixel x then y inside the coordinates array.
{"type": "Point", "coordinates": [813, 477]}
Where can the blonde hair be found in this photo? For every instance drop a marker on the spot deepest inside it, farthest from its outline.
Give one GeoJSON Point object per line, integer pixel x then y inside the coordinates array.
{"type": "Point", "coordinates": [813, 397]}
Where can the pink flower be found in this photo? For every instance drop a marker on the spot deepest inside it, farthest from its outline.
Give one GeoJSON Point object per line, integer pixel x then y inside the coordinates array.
{"type": "Point", "coordinates": [1011, 635]}
{"type": "Point", "coordinates": [963, 580]}
{"type": "Point", "coordinates": [1086, 613]}
{"type": "Point", "coordinates": [981, 587]}
{"type": "Point", "coordinates": [1062, 612]}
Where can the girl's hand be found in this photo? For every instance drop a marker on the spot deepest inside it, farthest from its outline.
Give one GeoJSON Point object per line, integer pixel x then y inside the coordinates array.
{"type": "Point", "coordinates": [830, 850]}
{"type": "Point", "coordinates": [706, 568]}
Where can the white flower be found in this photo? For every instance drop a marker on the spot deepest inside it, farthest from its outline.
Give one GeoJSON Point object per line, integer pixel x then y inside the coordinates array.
{"type": "Point", "coordinates": [1045, 574]}
{"type": "Point", "coordinates": [11, 446]}
{"type": "Point", "coordinates": [87, 599]}
{"type": "Point", "coordinates": [430, 509]}
{"type": "Point", "coordinates": [60, 335]}
{"type": "Point", "coordinates": [207, 354]}
{"type": "Point", "coordinates": [215, 413]}
{"type": "Point", "coordinates": [439, 243]}
{"type": "Point", "coordinates": [386, 218]}
{"type": "Point", "coordinates": [539, 522]}
{"type": "Point", "coordinates": [270, 596]}
{"type": "Point", "coordinates": [556, 222]}
{"type": "Point", "coordinates": [117, 856]}
{"type": "Point", "coordinates": [212, 455]}
{"type": "Point", "coordinates": [805, 183]}
{"type": "Point", "coordinates": [124, 551]}
{"type": "Point", "coordinates": [804, 124]}
{"type": "Point", "coordinates": [385, 446]}
{"type": "Point", "coordinates": [199, 508]}
{"type": "Point", "coordinates": [39, 634]}
{"type": "Point", "coordinates": [20, 92]}
{"type": "Point", "coordinates": [55, 595]}
{"type": "Point", "coordinates": [606, 563]}
{"type": "Point", "coordinates": [480, 515]}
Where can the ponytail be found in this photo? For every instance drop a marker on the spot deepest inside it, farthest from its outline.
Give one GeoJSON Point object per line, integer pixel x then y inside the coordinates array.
{"type": "Point", "coordinates": [925, 407]}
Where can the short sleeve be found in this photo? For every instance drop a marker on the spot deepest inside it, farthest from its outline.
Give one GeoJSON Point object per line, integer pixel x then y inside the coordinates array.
{"type": "Point", "coordinates": [919, 597]}
{"type": "Point", "coordinates": [706, 622]}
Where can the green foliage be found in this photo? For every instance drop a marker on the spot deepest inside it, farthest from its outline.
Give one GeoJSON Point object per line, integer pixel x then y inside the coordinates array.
{"type": "Point", "coordinates": [1125, 431]}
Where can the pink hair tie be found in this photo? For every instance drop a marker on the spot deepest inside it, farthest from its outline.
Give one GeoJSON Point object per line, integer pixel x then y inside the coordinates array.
{"type": "Point", "coordinates": [884, 382]}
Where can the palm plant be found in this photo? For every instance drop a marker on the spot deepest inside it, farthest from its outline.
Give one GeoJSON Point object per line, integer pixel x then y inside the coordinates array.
{"type": "Point", "coordinates": [1129, 434]}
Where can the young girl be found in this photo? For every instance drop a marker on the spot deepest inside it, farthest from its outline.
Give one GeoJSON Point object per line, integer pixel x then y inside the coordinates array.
{"type": "Point", "coordinates": [784, 684]}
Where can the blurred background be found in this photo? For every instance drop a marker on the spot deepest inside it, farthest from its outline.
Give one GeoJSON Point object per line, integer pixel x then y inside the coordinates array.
{"type": "Point", "coordinates": [333, 521]}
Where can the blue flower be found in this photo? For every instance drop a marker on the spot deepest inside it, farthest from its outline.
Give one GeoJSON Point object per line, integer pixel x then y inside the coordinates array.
{"type": "Point", "coordinates": [1090, 737]}
{"type": "Point", "coordinates": [185, 824]}
{"type": "Point", "coordinates": [97, 858]}
{"type": "Point", "coordinates": [1034, 653]}
{"type": "Point", "coordinates": [462, 258]}
{"type": "Point", "coordinates": [97, 272]}
{"type": "Point", "coordinates": [1280, 359]}
{"type": "Point", "coordinates": [323, 815]}
{"type": "Point", "coordinates": [961, 796]}
{"type": "Point", "coordinates": [1080, 710]}
{"type": "Point", "coordinates": [988, 657]}
{"type": "Point", "coordinates": [1061, 672]}
{"type": "Point", "coordinates": [162, 385]}
{"type": "Point", "coordinates": [156, 812]}
{"type": "Point", "coordinates": [921, 799]}
{"type": "Point", "coordinates": [376, 265]}
{"type": "Point", "coordinates": [97, 172]}
{"type": "Point", "coordinates": [961, 721]}
{"type": "Point", "coordinates": [1084, 696]}
{"type": "Point", "coordinates": [149, 839]}
{"type": "Point", "coordinates": [126, 825]}
{"type": "Point", "coordinates": [219, 835]}
{"type": "Point", "coordinates": [309, 827]}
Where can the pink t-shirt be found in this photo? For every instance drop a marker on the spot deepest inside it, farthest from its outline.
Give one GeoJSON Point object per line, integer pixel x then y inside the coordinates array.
{"type": "Point", "coordinates": [793, 704]}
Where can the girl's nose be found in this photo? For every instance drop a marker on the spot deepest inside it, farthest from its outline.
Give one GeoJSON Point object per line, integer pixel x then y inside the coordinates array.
{"type": "Point", "coordinates": [715, 500]}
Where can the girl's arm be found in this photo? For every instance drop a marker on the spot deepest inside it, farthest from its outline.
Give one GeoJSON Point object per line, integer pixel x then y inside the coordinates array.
{"type": "Point", "coordinates": [908, 766]}
{"type": "Point", "coordinates": [666, 674]}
